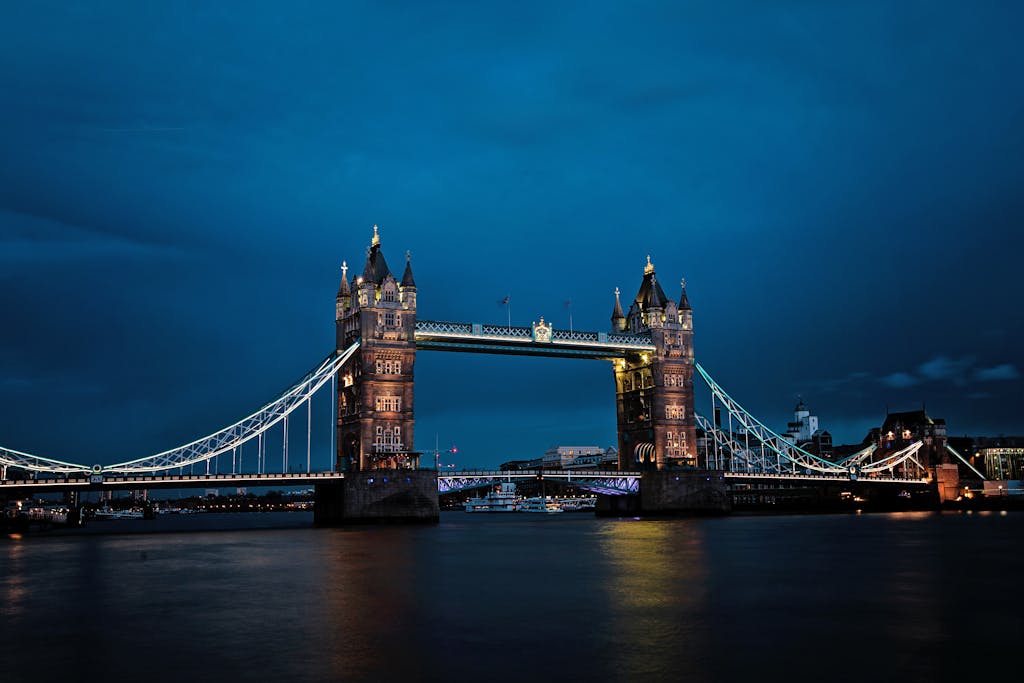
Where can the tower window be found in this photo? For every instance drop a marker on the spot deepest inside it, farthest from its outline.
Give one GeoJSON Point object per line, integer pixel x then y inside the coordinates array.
{"type": "Point", "coordinates": [388, 439]}
{"type": "Point", "coordinates": [389, 403]}
{"type": "Point", "coordinates": [389, 366]}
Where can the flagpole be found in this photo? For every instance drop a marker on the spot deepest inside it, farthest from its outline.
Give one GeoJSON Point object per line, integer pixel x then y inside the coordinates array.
{"type": "Point", "coordinates": [509, 310]}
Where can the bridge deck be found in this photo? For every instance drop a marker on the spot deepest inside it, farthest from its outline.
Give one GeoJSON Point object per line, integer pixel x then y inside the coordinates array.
{"type": "Point", "coordinates": [170, 481]}
{"type": "Point", "coordinates": [437, 335]}
{"type": "Point", "coordinates": [621, 482]}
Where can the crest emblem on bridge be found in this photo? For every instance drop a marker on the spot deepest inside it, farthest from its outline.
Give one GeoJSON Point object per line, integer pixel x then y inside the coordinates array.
{"type": "Point", "coordinates": [542, 331]}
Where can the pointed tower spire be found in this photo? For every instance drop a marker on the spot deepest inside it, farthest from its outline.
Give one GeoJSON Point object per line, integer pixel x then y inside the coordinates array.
{"type": "Point", "coordinates": [656, 301]}
{"type": "Point", "coordinates": [368, 268]}
{"type": "Point", "coordinates": [618, 320]}
{"type": "Point", "coordinates": [407, 280]}
{"type": "Point", "coordinates": [376, 268]}
{"type": "Point", "coordinates": [684, 301]}
{"type": "Point", "coordinates": [343, 289]}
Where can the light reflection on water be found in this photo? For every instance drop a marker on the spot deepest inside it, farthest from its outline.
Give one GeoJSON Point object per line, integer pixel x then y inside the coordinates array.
{"type": "Point", "coordinates": [657, 597]}
{"type": "Point", "coordinates": [512, 597]}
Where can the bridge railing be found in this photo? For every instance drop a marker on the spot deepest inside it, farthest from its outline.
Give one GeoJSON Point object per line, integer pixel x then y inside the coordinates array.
{"type": "Point", "coordinates": [498, 331]}
{"type": "Point", "coordinates": [518, 333]}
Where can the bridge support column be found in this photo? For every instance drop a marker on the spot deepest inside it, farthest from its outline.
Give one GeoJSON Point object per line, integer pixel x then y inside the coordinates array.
{"type": "Point", "coordinates": [684, 492]}
{"type": "Point", "coordinates": [947, 480]}
{"type": "Point", "coordinates": [378, 496]}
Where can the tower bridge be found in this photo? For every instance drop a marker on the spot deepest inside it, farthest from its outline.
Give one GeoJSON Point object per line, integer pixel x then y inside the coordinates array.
{"type": "Point", "coordinates": [664, 444]}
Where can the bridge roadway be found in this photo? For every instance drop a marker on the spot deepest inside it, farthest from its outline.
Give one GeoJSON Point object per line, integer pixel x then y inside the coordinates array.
{"type": "Point", "coordinates": [609, 482]}
{"type": "Point", "coordinates": [438, 335]}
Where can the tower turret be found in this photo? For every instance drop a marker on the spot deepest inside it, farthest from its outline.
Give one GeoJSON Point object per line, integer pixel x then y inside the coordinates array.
{"type": "Point", "coordinates": [407, 290]}
{"type": "Point", "coordinates": [655, 307]}
{"type": "Point", "coordinates": [685, 313]}
{"type": "Point", "coordinates": [344, 299]}
{"type": "Point", "coordinates": [618, 319]}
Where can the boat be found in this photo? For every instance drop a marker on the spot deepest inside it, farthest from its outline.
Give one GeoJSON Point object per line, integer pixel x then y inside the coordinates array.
{"type": "Point", "coordinates": [540, 504]}
{"type": "Point", "coordinates": [106, 513]}
{"type": "Point", "coordinates": [501, 499]}
{"type": "Point", "coordinates": [578, 504]}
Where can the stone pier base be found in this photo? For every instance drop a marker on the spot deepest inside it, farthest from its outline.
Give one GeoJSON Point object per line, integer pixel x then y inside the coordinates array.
{"type": "Point", "coordinates": [618, 506]}
{"type": "Point", "coordinates": [378, 496]}
{"type": "Point", "coordinates": [684, 492]}
{"type": "Point", "coordinates": [671, 493]}
{"type": "Point", "coordinates": [947, 482]}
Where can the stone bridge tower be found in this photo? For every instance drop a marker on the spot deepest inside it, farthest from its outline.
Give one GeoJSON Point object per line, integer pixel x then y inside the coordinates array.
{"type": "Point", "coordinates": [375, 388]}
{"type": "Point", "coordinates": [654, 391]}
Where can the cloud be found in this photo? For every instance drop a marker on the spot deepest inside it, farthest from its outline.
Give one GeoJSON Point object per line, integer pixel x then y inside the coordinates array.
{"type": "Point", "coordinates": [942, 367]}
{"type": "Point", "coordinates": [900, 380]}
{"type": "Point", "coordinates": [959, 372]}
{"type": "Point", "coordinates": [1004, 371]}
{"type": "Point", "coordinates": [833, 385]}
{"type": "Point", "coordinates": [27, 239]}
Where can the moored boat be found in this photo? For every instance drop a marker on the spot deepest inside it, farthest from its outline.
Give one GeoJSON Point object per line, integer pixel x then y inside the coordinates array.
{"type": "Point", "coordinates": [502, 499]}
{"type": "Point", "coordinates": [539, 504]}
{"type": "Point", "coordinates": [578, 504]}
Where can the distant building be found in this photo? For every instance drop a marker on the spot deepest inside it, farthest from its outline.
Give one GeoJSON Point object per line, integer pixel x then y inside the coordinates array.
{"type": "Point", "coordinates": [604, 459]}
{"type": "Point", "coordinates": [569, 458]}
{"type": "Point", "coordinates": [902, 429]}
{"type": "Point", "coordinates": [534, 464]}
{"type": "Point", "coordinates": [1003, 463]}
{"type": "Point", "coordinates": [557, 457]}
{"type": "Point", "coordinates": [996, 458]}
{"type": "Point", "coordinates": [805, 433]}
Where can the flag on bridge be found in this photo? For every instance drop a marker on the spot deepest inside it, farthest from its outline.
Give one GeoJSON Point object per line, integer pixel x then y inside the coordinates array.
{"type": "Point", "coordinates": [508, 309]}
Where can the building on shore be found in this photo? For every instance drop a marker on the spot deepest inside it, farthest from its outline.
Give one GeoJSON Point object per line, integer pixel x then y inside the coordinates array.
{"type": "Point", "coordinates": [805, 432]}
{"type": "Point", "coordinates": [569, 458]}
{"type": "Point", "coordinates": [900, 430]}
{"type": "Point", "coordinates": [532, 464]}
{"type": "Point", "coordinates": [995, 457]}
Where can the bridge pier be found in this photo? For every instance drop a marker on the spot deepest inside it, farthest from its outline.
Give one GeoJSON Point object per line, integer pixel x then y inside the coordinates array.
{"type": "Point", "coordinates": [684, 492]}
{"type": "Point", "coordinates": [947, 482]}
{"type": "Point", "coordinates": [378, 496]}
{"type": "Point", "coordinates": [670, 493]}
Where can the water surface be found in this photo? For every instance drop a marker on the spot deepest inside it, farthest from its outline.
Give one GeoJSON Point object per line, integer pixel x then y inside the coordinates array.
{"type": "Point", "coordinates": [515, 597]}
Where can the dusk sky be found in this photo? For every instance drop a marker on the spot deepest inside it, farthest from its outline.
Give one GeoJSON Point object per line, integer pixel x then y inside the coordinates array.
{"type": "Point", "coordinates": [179, 183]}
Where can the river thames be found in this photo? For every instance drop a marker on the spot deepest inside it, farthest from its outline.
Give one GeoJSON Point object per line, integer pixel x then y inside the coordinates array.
{"type": "Point", "coordinates": [516, 597]}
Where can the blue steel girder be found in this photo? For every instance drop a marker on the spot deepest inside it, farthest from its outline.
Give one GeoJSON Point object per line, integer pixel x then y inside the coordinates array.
{"type": "Point", "coordinates": [604, 482]}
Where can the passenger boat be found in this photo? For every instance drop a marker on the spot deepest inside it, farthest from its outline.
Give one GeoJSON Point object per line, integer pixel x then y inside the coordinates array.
{"type": "Point", "coordinates": [540, 504]}
{"type": "Point", "coordinates": [578, 504]}
{"type": "Point", "coordinates": [502, 499]}
{"type": "Point", "coordinates": [106, 513]}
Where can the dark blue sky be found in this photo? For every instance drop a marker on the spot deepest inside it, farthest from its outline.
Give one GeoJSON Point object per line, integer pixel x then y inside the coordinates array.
{"type": "Point", "coordinates": [179, 184]}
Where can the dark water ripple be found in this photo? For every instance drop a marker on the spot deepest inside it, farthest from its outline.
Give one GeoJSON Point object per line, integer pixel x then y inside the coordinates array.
{"type": "Point", "coordinates": [908, 597]}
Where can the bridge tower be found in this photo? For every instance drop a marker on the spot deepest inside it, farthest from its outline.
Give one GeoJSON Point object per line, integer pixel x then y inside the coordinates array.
{"type": "Point", "coordinates": [654, 391]}
{"type": "Point", "coordinates": [375, 389]}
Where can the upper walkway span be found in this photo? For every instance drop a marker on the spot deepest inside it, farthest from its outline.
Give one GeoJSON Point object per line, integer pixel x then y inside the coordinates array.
{"type": "Point", "coordinates": [538, 340]}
